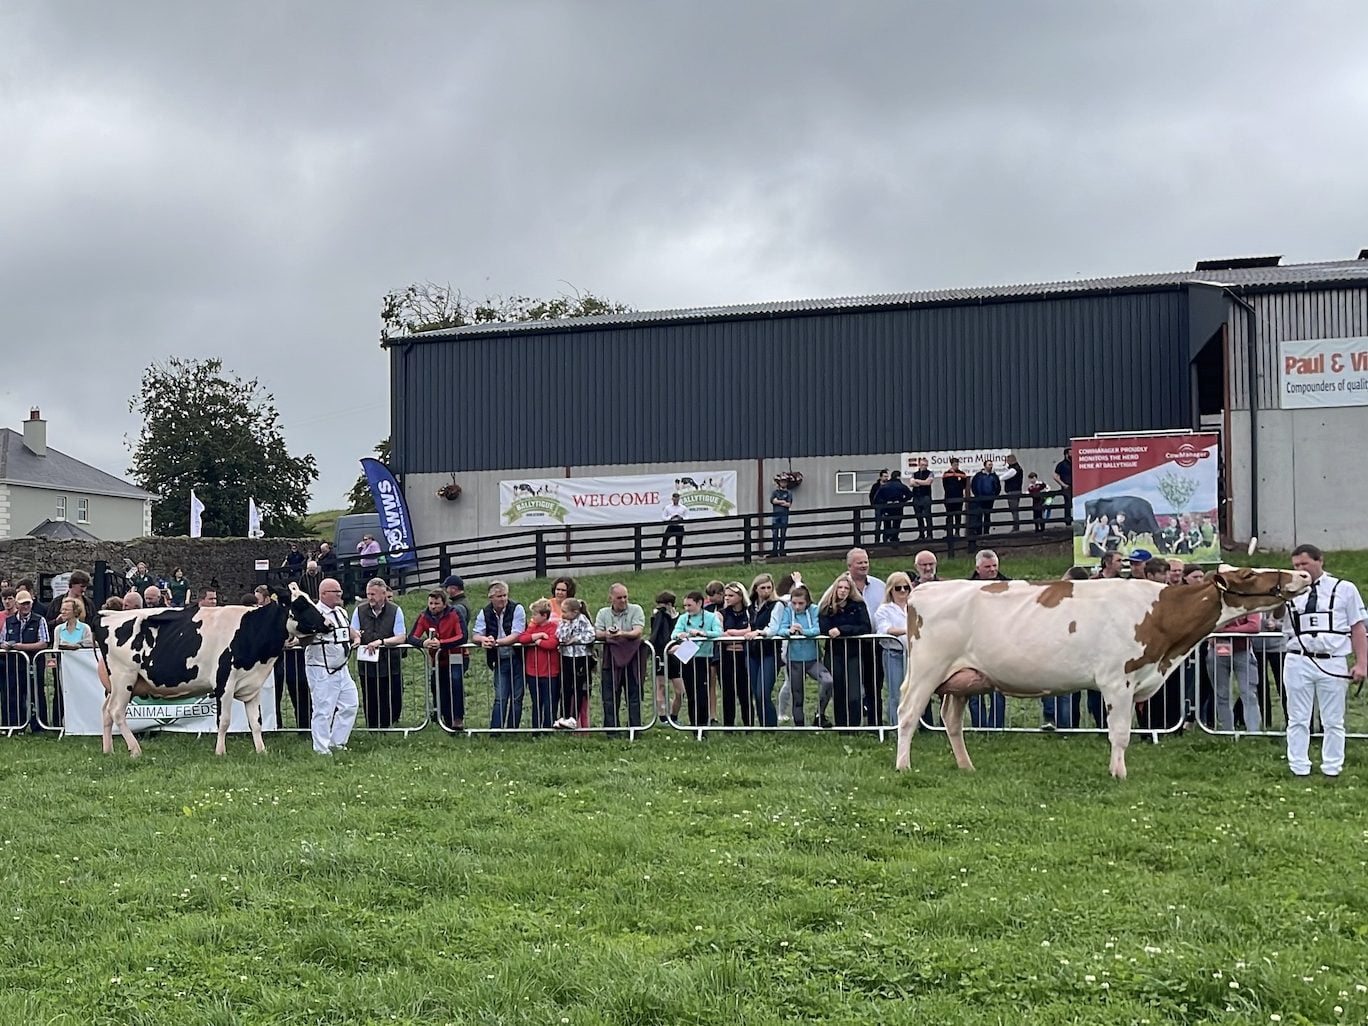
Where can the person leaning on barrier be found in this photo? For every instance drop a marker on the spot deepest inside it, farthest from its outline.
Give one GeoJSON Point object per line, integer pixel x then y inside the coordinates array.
{"type": "Point", "coordinates": [734, 666]}
{"type": "Point", "coordinates": [332, 692]}
{"type": "Point", "coordinates": [620, 625]}
{"type": "Point", "coordinates": [891, 619]}
{"type": "Point", "coordinates": [1324, 625]}
{"type": "Point", "coordinates": [712, 603]}
{"type": "Point", "coordinates": [70, 634]}
{"type": "Point", "coordinates": [541, 659]}
{"type": "Point", "coordinates": [699, 626]}
{"type": "Point", "coordinates": [668, 670]}
{"type": "Point", "coordinates": [762, 666]}
{"type": "Point", "coordinates": [496, 630]}
{"type": "Point", "coordinates": [380, 623]}
{"type": "Point", "coordinates": [845, 618]}
{"type": "Point", "coordinates": [799, 625]}
{"type": "Point", "coordinates": [576, 638]}
{"type": "Point", "coordinates": [440, 633]}
{"type": "Point", "coordinates": [871, 589]}
{"type": "Point", "coordinates": [1227, 656]}
{"type": "Point", "coordinates": [25, 632]}
{"type": "Point", "coordinates": [988, 710]}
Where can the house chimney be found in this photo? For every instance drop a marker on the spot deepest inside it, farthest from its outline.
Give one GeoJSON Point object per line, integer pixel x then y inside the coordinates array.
{"type": "Point", "coordinates": [35, 433]}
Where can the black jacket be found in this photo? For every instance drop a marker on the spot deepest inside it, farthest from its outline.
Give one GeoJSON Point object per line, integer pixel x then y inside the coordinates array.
{"type": "Point", "coordinates": [850, 621]}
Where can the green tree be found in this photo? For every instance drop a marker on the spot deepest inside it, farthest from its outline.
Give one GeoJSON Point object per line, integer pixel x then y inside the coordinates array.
{"type": "Point", "coordinates": [205, 428]}
{"type": "Point", "coordinates": [427, 306]}
{"type": "Point", "coordinates": [359, 499]}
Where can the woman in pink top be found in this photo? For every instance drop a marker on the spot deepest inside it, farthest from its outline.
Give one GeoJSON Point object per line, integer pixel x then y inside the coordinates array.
{"type": "Point", "coordinates": [1226, 656]}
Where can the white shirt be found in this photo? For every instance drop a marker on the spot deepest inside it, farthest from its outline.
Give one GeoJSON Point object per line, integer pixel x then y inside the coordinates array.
{"type": "Point", "coordinates": [873, 595]}
{"type": "Point", "coordinates": [1348, 611]}
{"type": "Point", "coordinates": [329, 648]}
{"type": "Point", "coordinates": [891, 615]}
{"type": "Point", "coordinates": [673, 510]}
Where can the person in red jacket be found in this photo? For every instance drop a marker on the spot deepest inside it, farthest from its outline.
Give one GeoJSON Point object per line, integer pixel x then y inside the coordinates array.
{"type": "Point", "coordinates": [439, 632]}
{"type": "Point", "coordinates": [541, 662]}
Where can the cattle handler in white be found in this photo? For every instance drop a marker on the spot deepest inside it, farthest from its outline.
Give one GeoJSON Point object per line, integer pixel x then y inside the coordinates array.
{"type": "Point", "coordinates": [1324, 625]}
{"type": "Point", "coordinates": [331, 686]}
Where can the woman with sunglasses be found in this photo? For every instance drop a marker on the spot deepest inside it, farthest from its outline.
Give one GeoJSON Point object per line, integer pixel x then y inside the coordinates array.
{"type": "Point", "coordinates": [891, 619]}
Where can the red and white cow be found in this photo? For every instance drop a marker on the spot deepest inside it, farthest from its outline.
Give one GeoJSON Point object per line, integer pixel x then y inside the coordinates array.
{"type": "Point", "coordinates": [1031, 640]}
{"type": "Point", "coordinates": [224, 651]}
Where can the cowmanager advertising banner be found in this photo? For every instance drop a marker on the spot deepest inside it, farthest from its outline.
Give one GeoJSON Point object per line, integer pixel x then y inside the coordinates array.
{"type": "Point", "coordinates": [640, 498]}
{"type": "Point", "coordinates": [84, 695]}
{"type": "Point", "coordinates": [1152, 492]}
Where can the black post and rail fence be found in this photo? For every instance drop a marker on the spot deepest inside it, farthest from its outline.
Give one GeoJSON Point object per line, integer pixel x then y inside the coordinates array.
{"type": "Point", "coordinates": [744, 538]}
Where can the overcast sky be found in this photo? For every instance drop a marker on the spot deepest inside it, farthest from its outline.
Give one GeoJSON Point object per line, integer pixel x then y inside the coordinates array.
{"type": "Point", "coordinates": [246, 180]}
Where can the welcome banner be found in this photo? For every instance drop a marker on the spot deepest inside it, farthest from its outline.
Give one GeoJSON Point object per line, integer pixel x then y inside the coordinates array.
{"type": "Point", "coordinates": [1153, 492]}
{"type": "Point", "coordinates": [83, 695]}
{"type": "Point", "coordinates": [641, 498]}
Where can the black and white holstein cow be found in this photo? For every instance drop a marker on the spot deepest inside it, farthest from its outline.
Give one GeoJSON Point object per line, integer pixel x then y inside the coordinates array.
{"type": "Point", "coordinates": [1026, 640]}
{"type": "Point", "coordinates": [226, 651]}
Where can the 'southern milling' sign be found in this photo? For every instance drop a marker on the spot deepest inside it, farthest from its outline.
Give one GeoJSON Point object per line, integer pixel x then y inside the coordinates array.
{"type": "Point", "coordinates": [641, 498]}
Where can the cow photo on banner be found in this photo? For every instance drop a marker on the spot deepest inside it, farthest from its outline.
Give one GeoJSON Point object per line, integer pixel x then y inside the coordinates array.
{"type": "Point", "coordinates": [1152, 492]}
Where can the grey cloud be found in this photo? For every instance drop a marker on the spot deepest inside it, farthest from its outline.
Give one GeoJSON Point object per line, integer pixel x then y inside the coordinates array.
{"type": "Point", "coordinates": [247, 180]}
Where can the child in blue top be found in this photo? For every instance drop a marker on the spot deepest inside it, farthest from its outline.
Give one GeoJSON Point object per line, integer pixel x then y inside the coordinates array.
{"type": "Point", "coordinates": [799, 624]}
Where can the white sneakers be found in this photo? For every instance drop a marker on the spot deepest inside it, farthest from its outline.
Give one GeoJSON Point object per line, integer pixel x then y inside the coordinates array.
{"type": "Point", "coordinates": [566, 723]}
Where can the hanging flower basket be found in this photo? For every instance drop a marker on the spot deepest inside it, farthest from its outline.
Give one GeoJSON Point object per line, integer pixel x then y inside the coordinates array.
{"type": "Point", "coordinates": [788, 479]}
{"type": "Point", "coordinates": [450, 492]}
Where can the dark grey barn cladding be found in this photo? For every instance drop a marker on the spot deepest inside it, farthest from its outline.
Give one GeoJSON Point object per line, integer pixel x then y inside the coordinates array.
{"type": "Point", "coordinates": [1026, 373]}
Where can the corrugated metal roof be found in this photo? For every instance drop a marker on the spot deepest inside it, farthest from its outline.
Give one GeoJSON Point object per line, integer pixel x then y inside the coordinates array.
{"type": "Point", "coordinates": [1323, 273]}
{"type": "Point", "coordinates": [57, 470]}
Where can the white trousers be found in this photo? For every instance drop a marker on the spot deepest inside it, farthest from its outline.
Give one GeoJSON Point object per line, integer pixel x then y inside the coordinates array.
{"type": "Point", "coordinates": [334, 706]}
{"type": "Point", "coordinates": [1307, 683]}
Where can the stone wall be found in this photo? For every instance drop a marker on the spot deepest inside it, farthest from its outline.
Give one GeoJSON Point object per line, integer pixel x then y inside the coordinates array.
{"type": "Point", "coordinates": [231, 560]}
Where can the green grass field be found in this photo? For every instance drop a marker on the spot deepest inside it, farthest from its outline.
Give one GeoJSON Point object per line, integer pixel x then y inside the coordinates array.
{"type": "Point", "coordinates": [742, 879]}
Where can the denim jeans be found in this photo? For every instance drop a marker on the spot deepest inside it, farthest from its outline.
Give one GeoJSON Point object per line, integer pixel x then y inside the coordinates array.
{"type": "Point", "coordinates": [763, 664]}
{"type": "Point", "coordinates": [509, 684]}
{"type": "Point", "coordinates": [895, 662]}
{"type": "Point", "coordinates": [778, 534]}
{"type": "Point", "coordinates": [543, 691]}
{"type": "Point", "coordinates": [451, 694]}
{"type": "Point", "coordinates": [1058, 709]}
{"type": "Point", "coordinates": [988, 710]}
{"type": "Point", "coordinates": [795, 672]}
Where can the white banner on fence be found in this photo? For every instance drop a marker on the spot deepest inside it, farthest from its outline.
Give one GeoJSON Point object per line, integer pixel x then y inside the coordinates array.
{"type": "Point", "coordinates": [971, 460]}
{"type": "Point", "coordinates": [1324, 372]}
{"type": "Point", "coordinates": [83, 696]}
{"type": "Point", "coordinates": [642, 498]}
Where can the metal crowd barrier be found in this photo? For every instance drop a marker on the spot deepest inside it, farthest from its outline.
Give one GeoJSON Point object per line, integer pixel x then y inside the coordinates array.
{"type": "Point", "coordinates": [386, 706]}
{"type": "Point", "coordinates": [17, 697]}
{"type": "Point", "coordinates": [752, 684]}
{"type": "Point", "coordinates": [1224, 700]}
{"type": "Point", "coordinates": [500, 699]}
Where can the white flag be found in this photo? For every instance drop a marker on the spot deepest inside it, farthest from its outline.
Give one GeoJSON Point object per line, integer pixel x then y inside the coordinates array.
{"type": "Point", "coordinates": [253, 519]}
{"type": "Point", "coordinates": [196, 515]}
